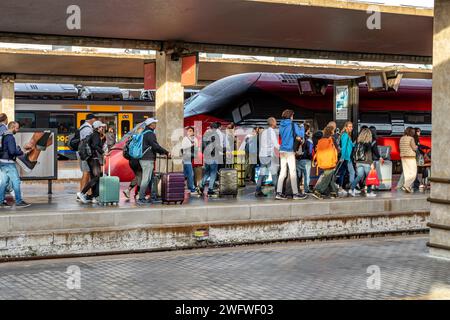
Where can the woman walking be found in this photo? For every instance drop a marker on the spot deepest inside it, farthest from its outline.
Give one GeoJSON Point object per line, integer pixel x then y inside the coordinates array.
{"type": "Point", "coordinates": [364, 157]}
{"type": "Point", "coordinates": [408, 149]}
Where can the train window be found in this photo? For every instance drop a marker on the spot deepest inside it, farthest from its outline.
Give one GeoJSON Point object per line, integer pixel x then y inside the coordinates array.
{"type": "Point", "coordinates": [375, 118]}
{"type": "Point", "coordinates": [65, 123]}
{"type": "Point", "coordinates": [246, 110]}
{"type": "Point", "coordinates": [236, 115]}
{"type": "Point", "coordinates": [418, 118]}
{"type": "Point", "coordinates": [125, 125]}
{"type": "Point", "coordinates": [26, 119]}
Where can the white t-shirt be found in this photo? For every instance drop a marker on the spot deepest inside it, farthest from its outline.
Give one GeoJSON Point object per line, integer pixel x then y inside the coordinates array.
{"type": "Point", "coordinates": [268, 143]}
{"type": "Point", "coordinates": [86, 130]}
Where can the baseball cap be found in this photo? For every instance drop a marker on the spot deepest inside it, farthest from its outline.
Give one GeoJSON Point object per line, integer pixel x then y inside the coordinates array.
{"type": "Point", "coordinates": [149, 121]}
{"type": "Point", "coordinates": [98, 124]}
{"type": "Point", "coordinates": [90, 116]}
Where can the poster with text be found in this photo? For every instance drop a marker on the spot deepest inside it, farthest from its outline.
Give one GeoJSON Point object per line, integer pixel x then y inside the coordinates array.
{"type": "Point", "coordinates": [342, 97]}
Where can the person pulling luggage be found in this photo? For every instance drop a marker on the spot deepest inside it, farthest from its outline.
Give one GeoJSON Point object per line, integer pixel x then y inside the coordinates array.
{"type": "Point", "coordinates": [94, 143]}
{"type": "Point", "coordinates": [149, 148]}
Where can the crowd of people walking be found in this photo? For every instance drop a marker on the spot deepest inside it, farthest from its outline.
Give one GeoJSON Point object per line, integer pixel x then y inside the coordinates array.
{"type": "Point", "coordinates": [298, 161]}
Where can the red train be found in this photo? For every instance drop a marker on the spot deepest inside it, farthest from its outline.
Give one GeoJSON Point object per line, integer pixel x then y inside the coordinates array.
{"type": "Point", "coordinates": [249, 99]}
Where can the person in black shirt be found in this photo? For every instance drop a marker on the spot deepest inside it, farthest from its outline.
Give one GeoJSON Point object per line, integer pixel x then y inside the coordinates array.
{"type": "Point", "coordinates": [150, 148]}
{"type": "Point", "coordinates": [95, 163]}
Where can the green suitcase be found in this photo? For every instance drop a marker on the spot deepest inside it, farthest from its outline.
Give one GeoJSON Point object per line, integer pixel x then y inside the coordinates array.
{"type": "Point", "coordinates": [109, 190]}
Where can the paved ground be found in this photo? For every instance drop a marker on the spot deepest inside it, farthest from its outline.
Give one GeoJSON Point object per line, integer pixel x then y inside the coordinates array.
{"type": "Point", "coordinates": [332, 270]}
{"type": "Point", "coordinates": [63, 198]}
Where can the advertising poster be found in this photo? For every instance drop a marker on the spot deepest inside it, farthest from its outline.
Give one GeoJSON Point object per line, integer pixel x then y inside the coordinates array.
{"type": "Point", "coordinates": [342, 97]}
{"type": "Point", "coordinates": [39, 161]}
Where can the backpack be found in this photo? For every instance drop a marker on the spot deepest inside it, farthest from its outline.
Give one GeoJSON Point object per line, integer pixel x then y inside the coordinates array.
{"type": "Point", "coordinates": [75, 139]}
{"type": "Point", "coordinates": [126, 149]}
{"type": "Point", "coordinates": [326, 154]}
{"type": "Point", "coordinates": [135, 145]}
{"type": "Point", "coordinates": [1, 142]}
{"type": "Point", "coordinates": [359, 152]}
{"type": "Point", "coordinates": [84, 149]}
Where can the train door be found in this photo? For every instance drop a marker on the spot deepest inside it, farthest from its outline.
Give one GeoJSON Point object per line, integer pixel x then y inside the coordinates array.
{"type": "Point", "coordinates": [81, 118]}
{"type": "Point", "coordinates": [125, 124]}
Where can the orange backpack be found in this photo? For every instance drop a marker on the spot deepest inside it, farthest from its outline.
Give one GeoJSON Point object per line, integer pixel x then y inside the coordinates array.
{"type": "Point", "coordinates": [326, 154]}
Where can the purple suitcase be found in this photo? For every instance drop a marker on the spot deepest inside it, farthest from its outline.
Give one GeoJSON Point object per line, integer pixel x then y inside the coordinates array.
{"type": "Point", "coordinates": [172, 187]}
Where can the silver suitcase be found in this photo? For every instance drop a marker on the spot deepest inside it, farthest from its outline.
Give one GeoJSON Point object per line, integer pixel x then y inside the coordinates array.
{"type": "Point", "coordinates": [384, 174]}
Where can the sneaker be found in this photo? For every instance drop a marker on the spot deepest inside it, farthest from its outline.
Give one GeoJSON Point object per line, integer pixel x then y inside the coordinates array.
{"type": "Point", "coordinates": [299, 196]}
{"type": "Point", "coordinates": [142, 202]}
{"type": "Point", "coordinates": [371, 195]}
{"type": "Point", "coordinates": [260, 194]}
{"type": "Point", "coordinates": [25, 163]}
{"type": "Point", "coordinates": [280, 196]}
{"type": "Point", "coordinates": [342, 192]}
{"type": "Point", "coordinates": [83, 198]}
{"type": "Point", "coordinates": [212, 194]}
{"type": "Point", "coordinates": [5, 205]}
{"type": "Point", "coordinates": [353, 193]}
{"type": "Point", "coordinates": [200, 191]}
{"type": "Point", "coordinates": [22, 204]}
{"type": "Point", "coordinates": [95, 201]}
{"type": "Point", "coordinates": [334, 195]}
{"type": "Point", "coordinates": [317, 195]}
{"type": "Point", "coordinates": [126, 193]}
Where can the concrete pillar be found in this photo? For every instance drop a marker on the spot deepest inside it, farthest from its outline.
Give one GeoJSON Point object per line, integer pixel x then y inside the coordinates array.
{"type": "Point", "coordinates": [169, 103]}
{"type": "Point", "coordinates": [7, 96]}
{"type": "Point", "coordinates": [440, 191]}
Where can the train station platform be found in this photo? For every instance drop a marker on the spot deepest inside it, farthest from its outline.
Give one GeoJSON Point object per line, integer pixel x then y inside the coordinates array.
{"type": "Point", "coordinates": [58, 225]}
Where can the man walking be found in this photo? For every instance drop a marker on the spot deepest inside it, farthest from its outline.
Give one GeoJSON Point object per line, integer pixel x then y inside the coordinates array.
{"type": "Point", "coordinates": [86, 130]}
{"type": "Point", "coordinates": [9, 152]}
{"type": "Point", "coordinates": [150, 148]}
{"type": "Point", "coordinates": [267, 155]}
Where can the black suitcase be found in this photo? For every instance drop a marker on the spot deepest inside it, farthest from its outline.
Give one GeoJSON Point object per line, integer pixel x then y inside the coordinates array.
{"type": "Point", "coordinates": [228, 182]}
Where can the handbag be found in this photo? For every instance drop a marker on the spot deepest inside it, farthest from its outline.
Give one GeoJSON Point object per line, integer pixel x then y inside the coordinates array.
{"type": "Point", "coordinates": [420, 159]}
{"type": "Point", "coordinates": [372, 178]}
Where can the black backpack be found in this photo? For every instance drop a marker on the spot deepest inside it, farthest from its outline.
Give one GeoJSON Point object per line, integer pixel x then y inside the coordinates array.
{"type": "Point", "coordinates": [126, 149]}
{"type": "Point", "coordinates": [85, 150]}
{"type": "Point", "coordinates": [359, 153]}
{"type": "Point", "coordinates": [74, 140]}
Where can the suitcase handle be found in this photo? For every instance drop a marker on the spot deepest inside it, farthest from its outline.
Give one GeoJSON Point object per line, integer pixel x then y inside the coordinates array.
{"type": "Point", "coordinates": [109, 165]}
{"type": "Point", "coordinates": [167, 163]}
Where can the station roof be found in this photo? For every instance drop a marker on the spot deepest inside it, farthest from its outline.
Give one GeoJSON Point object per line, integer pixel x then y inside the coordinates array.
{"type": "Point", "coordinates": [128, 71]}
{"type": "Point", "coordinates": [324, 27]}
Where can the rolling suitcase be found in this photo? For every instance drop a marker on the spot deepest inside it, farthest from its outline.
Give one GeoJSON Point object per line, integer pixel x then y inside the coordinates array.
{"type": "Point", "coordinates": [384, 172]}
{"type": "Point", "coordinates": [109, 189]}
{"type": "Point", "coordinates": [228, 182]}
{"type": "Point", "coordinates": [172, 186]}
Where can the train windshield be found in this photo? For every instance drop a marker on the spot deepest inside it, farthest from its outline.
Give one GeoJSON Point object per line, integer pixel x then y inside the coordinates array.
{"type": "Point", "coordinates": [135, 129]}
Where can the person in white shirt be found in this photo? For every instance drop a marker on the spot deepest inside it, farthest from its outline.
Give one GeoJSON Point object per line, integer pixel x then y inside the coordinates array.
{"type": "Point", "coordinates": [189, 147]}
{"type": "Point", "coordinates": [268, 157]}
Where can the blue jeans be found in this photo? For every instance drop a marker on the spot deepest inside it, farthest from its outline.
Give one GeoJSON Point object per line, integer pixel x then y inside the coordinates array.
{"type": "Point", "coordinates": [10, 175]}
{"type": "Point", "coordinates": [304, 170]}
{"type": "Point", "coordinates": [210, 171]}
{"type": "Point", "coordinates": [362, 171]}
{"type": "Point", "coordinates": [268, 165]}
{"type": "Point", "coordinates": [189, 174]}
{"type": "Point", "coordinates": [347, 166]}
